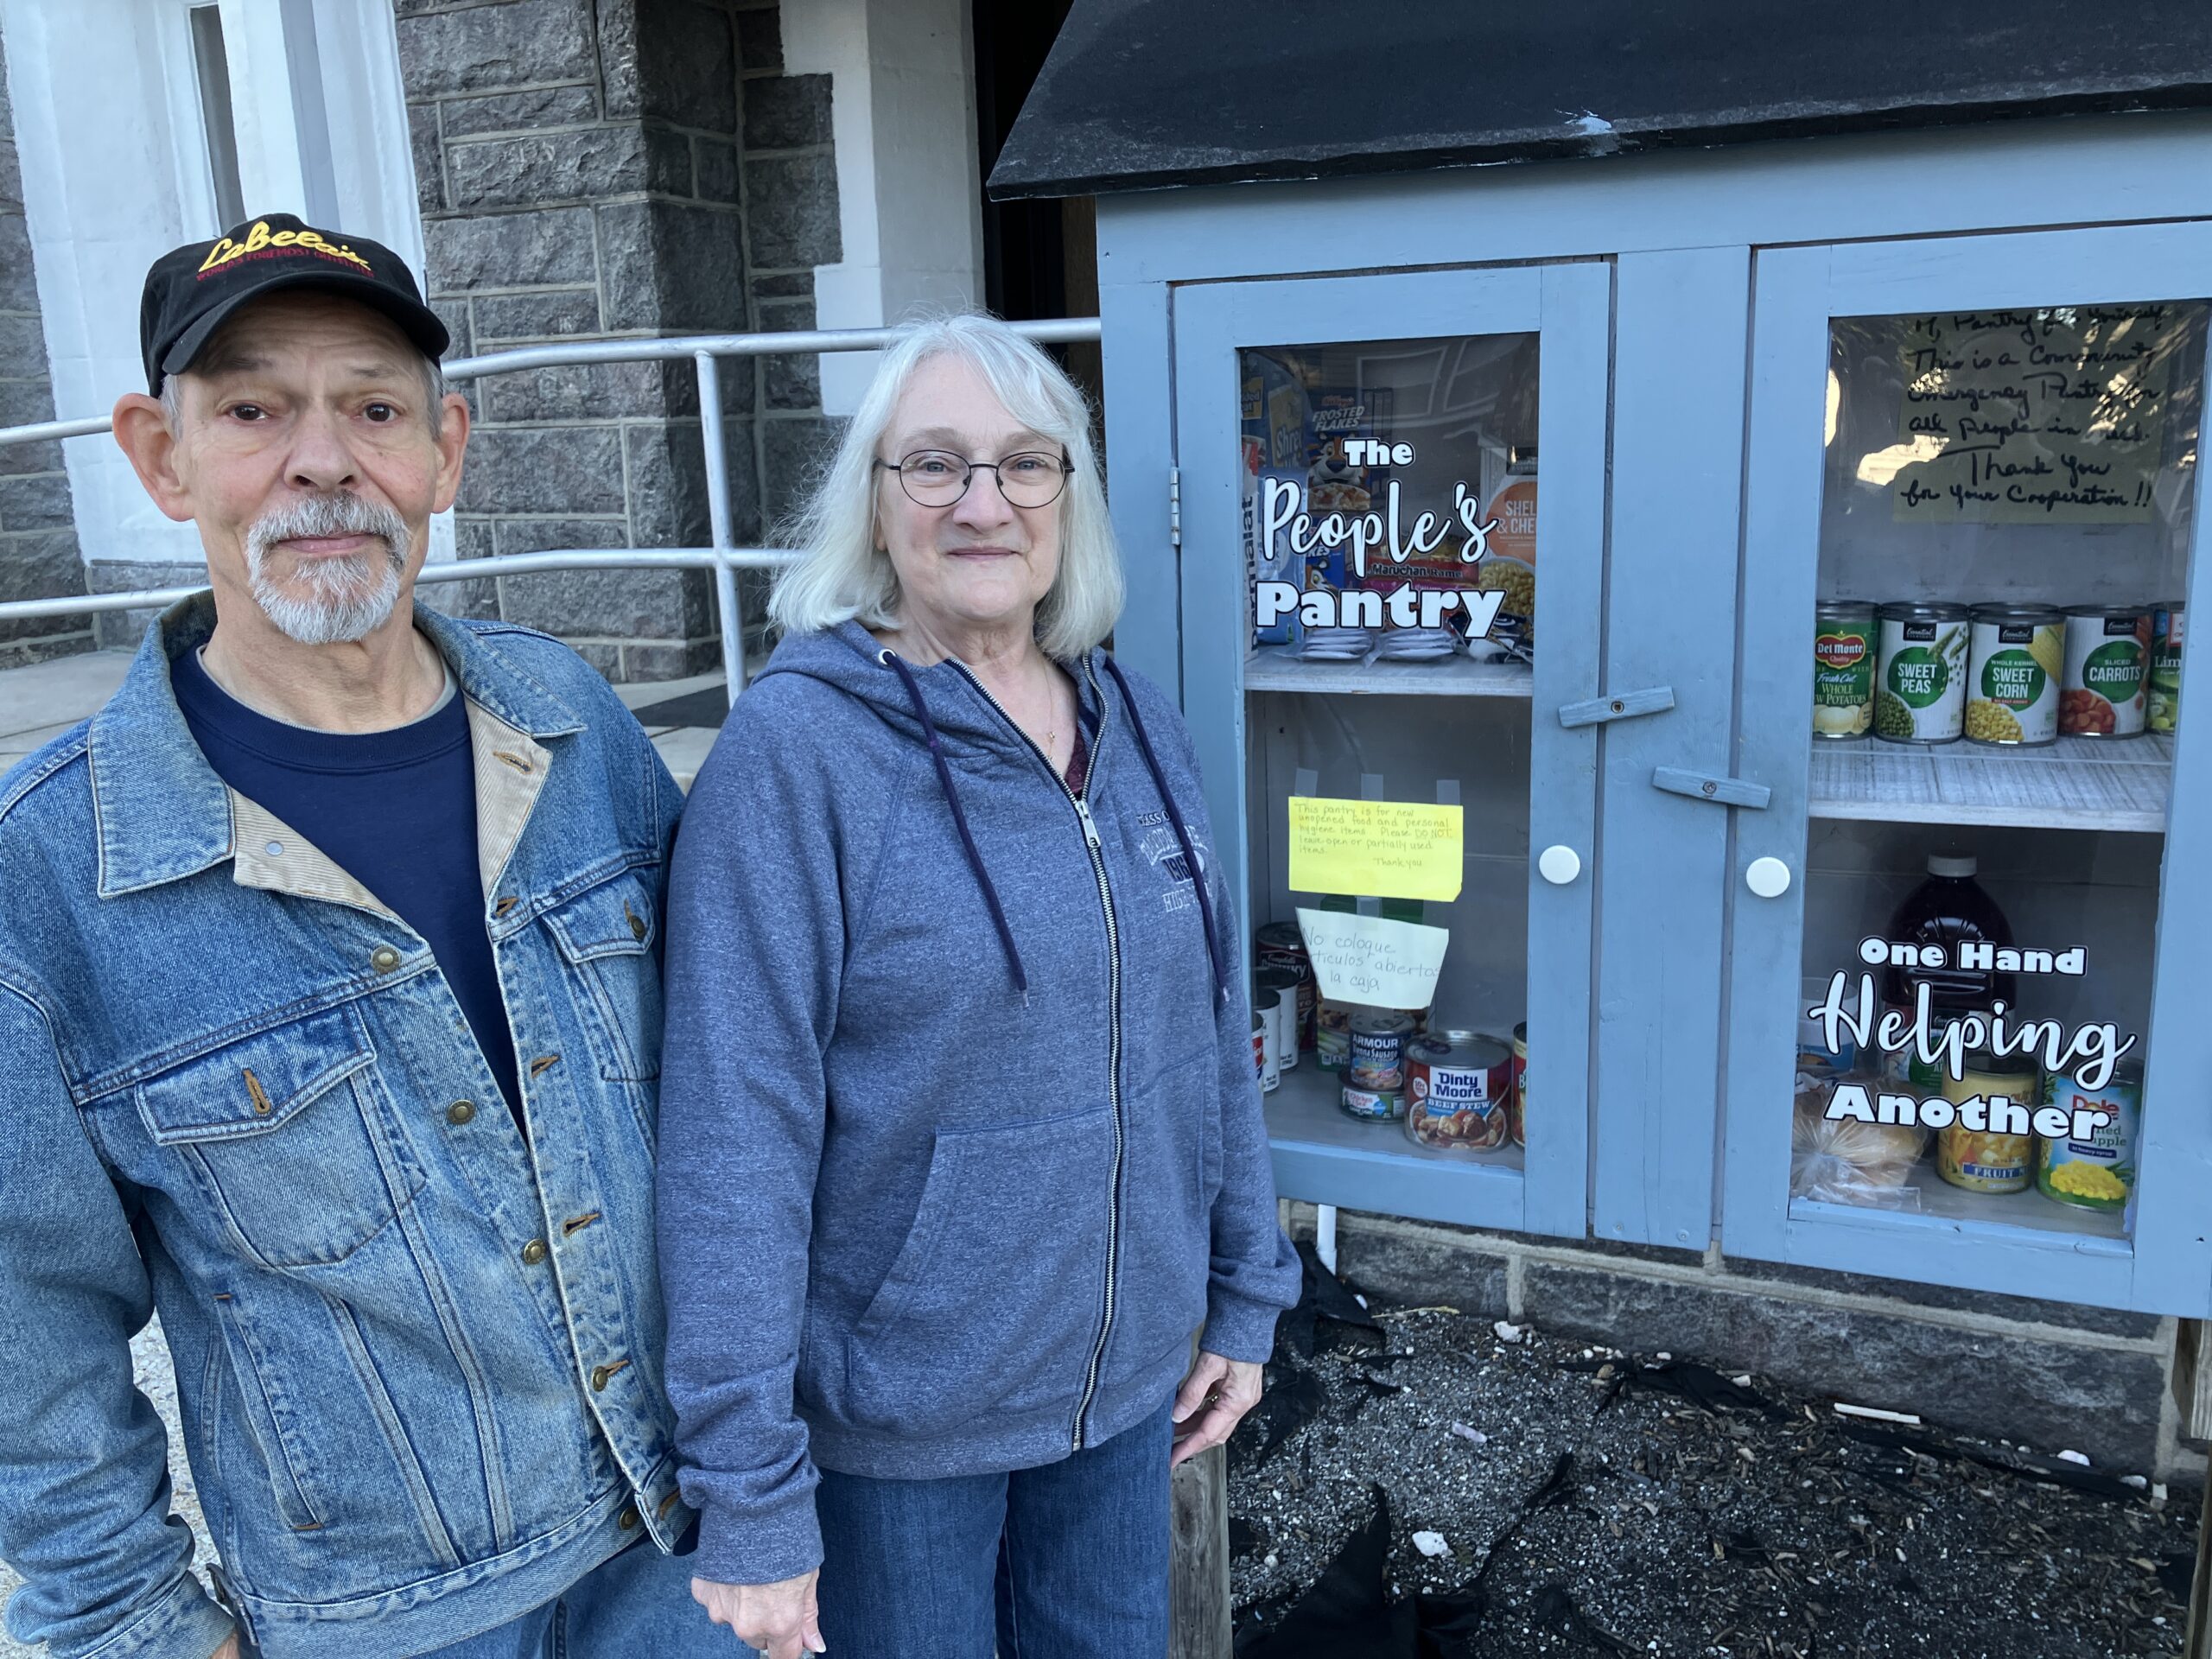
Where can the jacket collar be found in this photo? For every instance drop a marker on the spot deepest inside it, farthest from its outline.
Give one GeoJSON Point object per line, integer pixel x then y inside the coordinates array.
{"type": "Point", "coordinates": [161, 814]}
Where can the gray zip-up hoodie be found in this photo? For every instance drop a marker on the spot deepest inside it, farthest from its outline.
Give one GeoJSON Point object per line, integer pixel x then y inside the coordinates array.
{"type": "Point", "coordinates": [960, 1136]}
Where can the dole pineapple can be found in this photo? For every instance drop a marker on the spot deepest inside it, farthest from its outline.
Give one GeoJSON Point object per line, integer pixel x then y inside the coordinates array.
{"type": "Point", "coordinates": [2097, 1172]}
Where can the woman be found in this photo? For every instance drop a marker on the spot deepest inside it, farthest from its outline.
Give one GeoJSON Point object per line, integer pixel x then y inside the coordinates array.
{"type": "Point", "coordinates": [961, 1143]}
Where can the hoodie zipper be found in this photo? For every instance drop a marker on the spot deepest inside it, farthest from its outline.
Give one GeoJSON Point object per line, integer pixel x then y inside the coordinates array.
{"type": "Point", "coordinates": [1113, 1013]}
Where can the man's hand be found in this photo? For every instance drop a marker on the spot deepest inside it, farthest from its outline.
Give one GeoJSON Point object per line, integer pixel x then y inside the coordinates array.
{"type": "Point", "coordinates": [1214, 1397]}
{"type": "Point", "coordinates": [229, 1650]}
{"type": "Point", "coordinates": [779, 1619]}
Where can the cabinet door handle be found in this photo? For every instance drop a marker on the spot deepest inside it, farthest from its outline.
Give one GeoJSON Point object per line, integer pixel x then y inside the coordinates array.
{"type": "Point", "coordinates": [1704, 786]}
{"type": "Point", "coordinates": [1625, 705]}
{"type": "Point", "coordinates": [1559, 865]}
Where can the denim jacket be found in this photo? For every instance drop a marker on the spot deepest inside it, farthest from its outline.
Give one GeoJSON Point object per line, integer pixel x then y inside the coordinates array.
{"type": "Point", "coordinates": [418, 1362]}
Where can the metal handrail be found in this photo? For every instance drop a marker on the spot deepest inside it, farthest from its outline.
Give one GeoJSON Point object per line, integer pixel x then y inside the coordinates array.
{"type": "Point", "coordinates": [724, 559]}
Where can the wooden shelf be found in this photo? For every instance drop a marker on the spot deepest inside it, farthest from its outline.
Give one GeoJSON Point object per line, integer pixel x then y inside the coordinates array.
{"type": "Point", "coordinates": [2077, 783]}
{"type": "Point", "coordinates": [1303, 1112]}
{"type": "Point", "coordinates": [1276, 668]}
{"type": "Point", "coordinates": [1940, 1201]}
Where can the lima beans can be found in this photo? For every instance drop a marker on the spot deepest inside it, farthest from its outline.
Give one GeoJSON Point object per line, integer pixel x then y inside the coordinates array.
{"type": "Point", "coordinates": [2014, 659]}
{"type": "Point", "coordinates": [1378, 1050]}
{"type": "Point", "coordinates": [1921, 695]}
{"type": "Point", "coordinates": [1844, 650]}
{"type": "Point", "coordinates": [2107, 664]}
{"type": "Point", "coordinates": [2098, 1172]}
{"type": "Point", "coordinates": [2162, 699]}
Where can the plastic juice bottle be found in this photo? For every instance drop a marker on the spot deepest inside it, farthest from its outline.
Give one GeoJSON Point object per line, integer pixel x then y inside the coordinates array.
{"type": "Point", "coordinates": [1950, 908]}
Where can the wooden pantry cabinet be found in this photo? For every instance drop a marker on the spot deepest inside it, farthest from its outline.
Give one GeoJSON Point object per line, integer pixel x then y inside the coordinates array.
{"type": "Point", "coordinates": [1949, 369]}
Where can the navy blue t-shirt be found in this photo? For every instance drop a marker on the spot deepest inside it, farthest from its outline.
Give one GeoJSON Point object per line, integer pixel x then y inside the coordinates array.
{"type": "Point", "coordinates": [395, 809]}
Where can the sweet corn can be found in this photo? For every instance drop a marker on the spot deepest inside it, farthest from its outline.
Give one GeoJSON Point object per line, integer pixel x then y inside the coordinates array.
{"type": "Point", "coordinates": [2015, 657]}
{"type": "Point", "coordinates": [2107, 661]}
{"type": "Point", "coordinates": [1519, 1106]}
{"type": "Point", "coordinates": [1921, 692]}
{"type": "Point", "coordinates": [1979, 1159]}
{"type": "Point", "coordinates": [1844, 650]}
{"type": "Point", "coordinates": [2162, 699]}
{"type": "Point", "coordinates": [2098, 1172]}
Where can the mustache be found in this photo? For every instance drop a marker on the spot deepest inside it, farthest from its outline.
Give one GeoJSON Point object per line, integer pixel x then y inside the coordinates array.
{"type": "Point", "coordinates": [338, 513]}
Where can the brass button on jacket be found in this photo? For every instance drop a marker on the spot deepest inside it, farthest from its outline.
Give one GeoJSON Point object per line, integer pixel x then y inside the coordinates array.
{"type": "Point", "coordinates": [627, 1520]}
{"type": "Point", "coordinates": [598, 1376]}
{"type": "Point", "coordinates": [461, 1112]}
{"type": "Point", "coordinates": [534, 1252]}
{"type": "Point", "coordinates": [383, 958]}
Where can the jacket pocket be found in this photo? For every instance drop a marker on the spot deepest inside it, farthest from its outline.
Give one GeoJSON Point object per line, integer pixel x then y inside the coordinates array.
{"type": "Point", "coordinates": [268, 1416]}
{"type": "Point", "coordinates": [1167, 1209]}
{"type": "Point", "coordinates": [284, 1136]}
{"type": "Point", "coordinates": [608, 938]}
{"type": "Point", "coordinates": [995, 1299]}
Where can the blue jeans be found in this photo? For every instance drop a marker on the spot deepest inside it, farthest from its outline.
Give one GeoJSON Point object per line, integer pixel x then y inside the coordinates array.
{"type": "Point", "coordinates": [1067, 1561]}
{"type": "Point", "coordinates": [638, 1603]}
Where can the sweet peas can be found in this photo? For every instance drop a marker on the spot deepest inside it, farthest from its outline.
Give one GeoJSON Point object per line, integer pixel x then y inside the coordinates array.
{"type": "Point", "coordinates": [1921, 692]}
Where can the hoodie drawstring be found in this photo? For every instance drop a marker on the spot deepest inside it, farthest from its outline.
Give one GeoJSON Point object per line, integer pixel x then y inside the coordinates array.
{"type": "Point", "coordinates": [1175, 817]}
{"type": "Point", "coordinates": [960, 821]}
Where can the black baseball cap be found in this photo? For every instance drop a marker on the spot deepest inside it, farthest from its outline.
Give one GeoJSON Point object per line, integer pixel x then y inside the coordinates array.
{"type": "Point", "coordinates": [191, 291]}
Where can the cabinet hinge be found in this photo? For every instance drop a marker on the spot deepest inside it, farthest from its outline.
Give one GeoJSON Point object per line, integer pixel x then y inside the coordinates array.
{"type": "Point", "coordinates": [1175, 507]}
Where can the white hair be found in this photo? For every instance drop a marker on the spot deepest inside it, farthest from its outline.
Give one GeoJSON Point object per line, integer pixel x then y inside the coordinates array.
{"type": "Point", "coordinates": [840, 574]}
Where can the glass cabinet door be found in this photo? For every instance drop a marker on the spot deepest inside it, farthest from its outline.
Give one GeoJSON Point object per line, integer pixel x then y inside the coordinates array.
{"type": "Point", "coordinates": [1374, 609]}
{"type": "Point", "coordinates": [1968, 1044]}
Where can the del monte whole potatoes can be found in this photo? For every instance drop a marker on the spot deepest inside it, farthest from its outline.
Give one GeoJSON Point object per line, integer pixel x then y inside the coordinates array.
{"type": "Point", "coordinates": [1844, 649]}
{"type": "Point", "coordinates": [1921, 695]}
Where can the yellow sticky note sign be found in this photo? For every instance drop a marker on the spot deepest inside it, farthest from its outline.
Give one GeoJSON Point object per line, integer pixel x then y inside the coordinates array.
{"type": "Point", "coordinates": [1376, 850]}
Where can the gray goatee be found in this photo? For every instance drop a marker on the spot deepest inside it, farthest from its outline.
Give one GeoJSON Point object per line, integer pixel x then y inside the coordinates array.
{"type": "Point", "coordinates": [348, 597]}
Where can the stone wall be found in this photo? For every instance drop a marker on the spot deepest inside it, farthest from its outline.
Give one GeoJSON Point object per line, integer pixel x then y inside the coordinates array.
{"type": "Point", "coordinates": [591, 171]}
{"type": "Point", "coordinates": [38, 536]}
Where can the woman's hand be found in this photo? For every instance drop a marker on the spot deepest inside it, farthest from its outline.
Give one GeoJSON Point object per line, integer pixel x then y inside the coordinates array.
{"type": "Point", "coordinates": [778, 1618]}
{"type": "Point", "coordinates": [1214, 1397]}
{"type": "Point", "coordinates": [229, 1650]}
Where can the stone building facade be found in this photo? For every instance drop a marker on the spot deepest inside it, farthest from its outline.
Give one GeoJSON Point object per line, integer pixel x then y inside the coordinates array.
{"type": "Point", "coordinates": [38, 535]}
{"type": "Point", "coordinates": [638, 167]}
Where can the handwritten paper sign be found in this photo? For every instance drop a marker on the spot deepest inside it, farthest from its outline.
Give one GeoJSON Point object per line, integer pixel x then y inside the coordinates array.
{"type": "Point", "coordinates": [1366, 959]}
{"type": "Point", "coordinates": [1380, 849]}
{"type": "Point", "coordinates": [2050, 417]}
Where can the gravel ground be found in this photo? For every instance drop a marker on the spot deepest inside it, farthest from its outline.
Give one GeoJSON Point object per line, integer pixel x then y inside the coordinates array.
{"type": "Point", "coordinates": [151, 1357]}
{"type": "Point", "coordinates": [1580, 1503]}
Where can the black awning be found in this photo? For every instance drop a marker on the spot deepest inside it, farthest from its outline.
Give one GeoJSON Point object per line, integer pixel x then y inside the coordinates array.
{"type": "Point", "coordinates": [1139, 94]}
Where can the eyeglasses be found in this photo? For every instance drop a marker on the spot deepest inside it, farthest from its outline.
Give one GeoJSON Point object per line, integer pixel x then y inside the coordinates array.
{"type": "Point", "coordinates": [938, 478]}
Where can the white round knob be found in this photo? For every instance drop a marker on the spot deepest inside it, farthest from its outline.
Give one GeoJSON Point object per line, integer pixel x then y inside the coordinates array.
{"type": "Point", "coordinates": [1559, 865]}
{"type": "Point", "coordinates": [1768, 877]}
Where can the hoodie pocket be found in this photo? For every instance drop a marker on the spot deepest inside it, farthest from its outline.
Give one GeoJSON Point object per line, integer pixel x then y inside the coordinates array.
{"type": "Point", "coordinates": [1167, 1212]}
{"type": "Point", "coordinates": [995, 1299]}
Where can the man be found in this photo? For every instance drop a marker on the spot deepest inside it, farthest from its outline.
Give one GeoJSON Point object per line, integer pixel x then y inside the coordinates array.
{"type": "Point", "coordinates": [329, 1028]}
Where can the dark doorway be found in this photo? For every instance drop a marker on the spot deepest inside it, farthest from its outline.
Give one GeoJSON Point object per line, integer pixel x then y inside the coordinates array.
{"type": "Point", "coordinates": [1040, 259]}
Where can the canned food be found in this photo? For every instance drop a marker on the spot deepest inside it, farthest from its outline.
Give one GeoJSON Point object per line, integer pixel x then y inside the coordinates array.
{"type": "Point", "coordinates": [2162, 695]}
{"type": "Point", "coordinates": [1332, 1035]}
{"type": "Point", "coordinates": [1520, 1103]}
{"type": "Point", "coordinates": [1374, 1105]}
{"type": "Point", "coordinates": [2098, 1172]}
{"type": "Point", "coordinates": [2016, 654]}
{"type": "Point", "coordinates": [1457, 1087]}
{"type": "Point", "coordinates": [1260, 1051]}
{"type": "Point", "coordinates": [1921, 697]}
{"type": "Point", "coordinates": [1263, 1037]}
{"type": "Point", "coordinates": [1982, 1160]}
{"type": "Point", "coordinates": [1279, 945]}
{"type": "Point", "coordinates": [2107, 664]}
{"type": "Point", "coordinates": [1276, 995]}
{"type": "Point", "coordinates": [1845, 650]}
{"type": "Point", "coordinates": [1378, 1049]}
